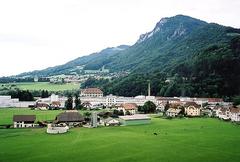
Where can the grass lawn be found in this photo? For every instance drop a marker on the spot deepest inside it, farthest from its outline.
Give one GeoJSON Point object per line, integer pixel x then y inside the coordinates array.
{"type": "Point", "coordinates": [45, 86]}
{"type": "Point", "coordinates": [181, 140]}
{"type": "Point", "coordinates": [6, 114]}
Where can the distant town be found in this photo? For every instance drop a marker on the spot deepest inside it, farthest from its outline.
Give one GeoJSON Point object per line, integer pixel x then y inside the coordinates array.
{"type": "Point", "coordinates": [111, 110]}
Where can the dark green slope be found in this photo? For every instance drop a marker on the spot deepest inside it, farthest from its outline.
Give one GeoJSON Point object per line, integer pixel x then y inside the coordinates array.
{"type": "Point", "coordinates": [199, 59]}
{"type": "Point", "coordinates": [173, 40]}
{"type": "Point", "coordinates": [212, 72]}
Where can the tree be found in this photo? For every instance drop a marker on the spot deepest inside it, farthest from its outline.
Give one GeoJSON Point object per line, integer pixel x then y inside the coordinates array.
{"type": "Point", "coordinates": [115, 112]}
{"type": "Point", "coordinates": [236, 100]}
{"type": "Point", "coordinates": [77, 102]}
{"type": "Point", "coordinates": [148, 107]}
{"type": "Point", "coordinates": [167, 106]}
{"type": "Point", "coordinates": [69, 103]}
{"type": "Point", "coordinates": [128, 113]}
{"type": "Point", "coordinates": [121, 113]}
{"type": "Point", "coordinates": [87, 116]}
{"type": "Point", "coordinates": [44, 94]}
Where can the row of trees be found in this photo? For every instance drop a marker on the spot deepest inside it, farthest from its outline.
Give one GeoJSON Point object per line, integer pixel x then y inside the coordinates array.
{"type": "Point", "coordinates": [22, 95]}
{"type": "Point", "coordinates": [76, 100]}
{"type": "Point", "coordinates": [19, 79]}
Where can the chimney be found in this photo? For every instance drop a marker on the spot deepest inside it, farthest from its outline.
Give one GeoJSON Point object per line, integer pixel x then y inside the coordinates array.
{"type": "Point", "coordinates": [149, 88]}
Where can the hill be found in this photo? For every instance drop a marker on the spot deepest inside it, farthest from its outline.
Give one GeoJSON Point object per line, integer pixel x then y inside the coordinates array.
{"type": "Point", "coordinates": [90, 62]}
{"type": "Point", "coordinates": [181, 56]}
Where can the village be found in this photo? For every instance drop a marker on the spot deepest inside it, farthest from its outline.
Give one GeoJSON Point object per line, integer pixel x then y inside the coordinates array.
{"type": "Point", "coordinates": [113, 110]}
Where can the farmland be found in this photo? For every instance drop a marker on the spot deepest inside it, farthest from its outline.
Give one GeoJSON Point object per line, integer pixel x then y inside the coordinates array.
{"type": "Point", "coordinates": [43, 86]}
{"type": "Point", "coordinates": [188, 139]}
{"type": "Point", "coordinates": [6, 114]}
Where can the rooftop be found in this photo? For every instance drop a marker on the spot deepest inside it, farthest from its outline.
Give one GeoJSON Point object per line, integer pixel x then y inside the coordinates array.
{"type": "Point", "coordinates": [26, 118]}
{"type": "Point", "coordinates": [91, 90]}
{"type": "Point", "coordinates": [129, 106]}
{"type": "Point", "coordinates": [69, 116]}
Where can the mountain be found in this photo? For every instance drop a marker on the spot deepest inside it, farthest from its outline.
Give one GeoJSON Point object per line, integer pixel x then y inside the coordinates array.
{"type": "Point", "coordinates": [182, 56]}
{"type": "Point", "coordinates": [90, 62]}
{"type": "Point", "coordinates": [171, 41]}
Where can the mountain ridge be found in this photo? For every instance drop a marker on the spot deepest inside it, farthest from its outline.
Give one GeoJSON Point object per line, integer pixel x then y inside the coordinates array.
{"type": "Point", "coordinates": [177, 48]}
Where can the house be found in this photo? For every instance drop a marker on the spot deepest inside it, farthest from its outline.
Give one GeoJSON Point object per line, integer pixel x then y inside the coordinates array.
{"type": "Point", "coordinates": [235, 114]}
{"type": "Point", "coordinates": [91, 92]}
{"type": "Point", "coordinates": [215, 110]}
{"type": "Point", "coordinates": [55, 104]}
{"type": "Point", "coordinates": [87, 105]}
{"type": "Point", "coordinates": [111, 122]}
{"type": "Point", "coordinates": [161, 107]}
{"type": "Point", "coordinates": [24, 121]}
{"type": "Point", "coordinates": [7, 101]}
{"type": "Point", "coordinates": [42, 105]}
{"type": "Point", "coordinates": [128, 107]}
{"type": "Point", "coordinates": [172, 112]}
{"type": "Point", "coordinates": [170, 100]}
{"type": "Point", "coordinates": [192, 109]}
{"type": "Point", "coordinates": [207, 112]}
{"type": "Point", "coordinates": [224, 113]}
{"type": "Point", "coordinates": [70, 117]}
{"type": "Point", "coordinates": [136, 119]}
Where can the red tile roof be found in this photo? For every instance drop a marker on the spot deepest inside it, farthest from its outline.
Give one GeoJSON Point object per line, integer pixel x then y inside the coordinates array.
{"type": "Point", "coordinates": [192, 104]}
{"type": "Point", "coordinates": [129, 106]}
{"type": "Point", "coordinates": [92, 91]}
{"type": "Point", "coordinates": [215, 100]}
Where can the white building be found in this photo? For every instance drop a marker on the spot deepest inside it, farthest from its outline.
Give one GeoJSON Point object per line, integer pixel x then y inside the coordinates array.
{"type": "Point", "coordinates": [128, 107]}
{"type": "Point", "coordinates": [171, 112]}
{"type": "Point", "coordinates": [7, 101]}
{"type": "Point", "coordinates": [91, 92]}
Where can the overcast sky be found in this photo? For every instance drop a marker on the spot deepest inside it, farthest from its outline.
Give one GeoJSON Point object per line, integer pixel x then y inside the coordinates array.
{"type": "Point", "coordinates": [35, 34]}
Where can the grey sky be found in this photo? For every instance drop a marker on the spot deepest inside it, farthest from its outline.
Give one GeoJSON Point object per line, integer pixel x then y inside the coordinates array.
{"type": "Point", "coordinates": [35, 34]}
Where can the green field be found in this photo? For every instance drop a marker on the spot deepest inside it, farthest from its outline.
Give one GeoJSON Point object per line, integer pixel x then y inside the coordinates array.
{"type": "Point", "coordinates": [197, 139]}
{"type": "Point", "coordinates": [6, 114]}
{"type": "Point", "coordinates": [45, 86]}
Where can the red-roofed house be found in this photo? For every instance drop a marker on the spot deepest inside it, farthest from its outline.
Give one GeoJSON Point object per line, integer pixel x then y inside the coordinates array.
{"type": "Point", "coordinates": [130, 107]}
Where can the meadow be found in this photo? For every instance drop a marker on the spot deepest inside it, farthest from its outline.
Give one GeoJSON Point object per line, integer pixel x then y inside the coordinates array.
{"type": "Point", "coordinates": [44, 86]}
{"type": "Point", "coordinates": [6, 114]}
{"type": "Point", "coordinates": [189, 139]}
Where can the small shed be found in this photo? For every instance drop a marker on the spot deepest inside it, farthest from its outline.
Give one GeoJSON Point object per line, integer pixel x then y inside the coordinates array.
{"type": "Point", "coordinates": [111, 122]}
{"type": "Point", "coordinates": [136, 119]}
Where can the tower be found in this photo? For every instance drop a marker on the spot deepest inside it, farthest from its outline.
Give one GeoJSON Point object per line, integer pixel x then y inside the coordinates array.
{"type": "Point", "coordinates": [94, 120]}
{"type": "Point", "coordinates": [149, 88]}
